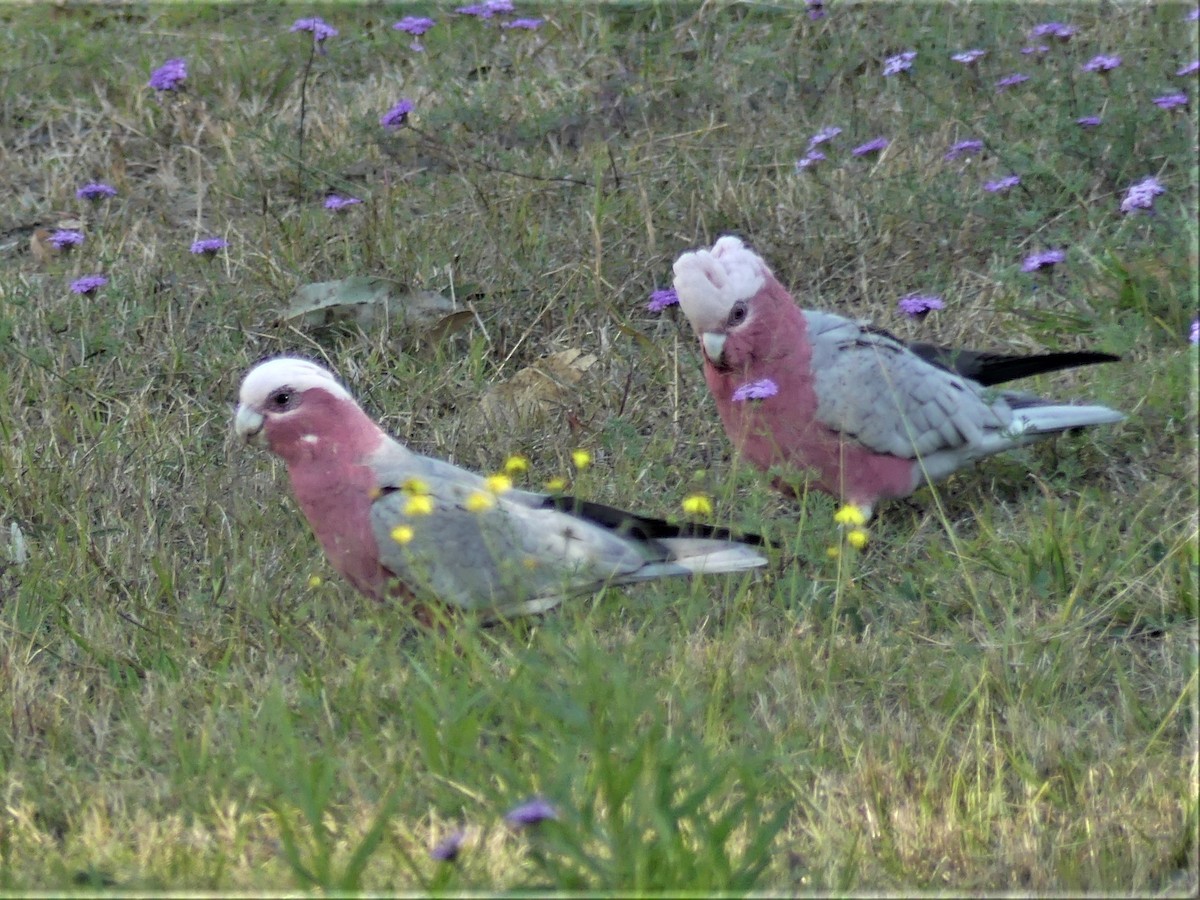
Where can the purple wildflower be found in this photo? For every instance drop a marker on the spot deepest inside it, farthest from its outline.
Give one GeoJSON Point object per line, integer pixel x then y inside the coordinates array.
{"type": "Point", "coordinates": [1194, 334]}
{"type": "Point", "coordinates": [319, 27]}
{"type": "Point", "coordinates": [1009, 80]}
{"type": "Point", "coordinates": [169, 75]}
{"type": "Point", "coordinates": [448, 848]}
{"type": "Point", "coordinates": [828, 133]}
{"type": "Point", "coordinates": [875, 146]}
{"type": "Point", "coordinates": [1089, 121]}
{"type": "Point", "coordinates": [1101, 64]}
{"type": "Point", "coordinates": [487, 9]}
{"type": "Point", "coordinates": [1142, 194]}
{"type": "Point", "coordinates": [397, 116]}
{"type": "Point", "coordinates": [901, 62]}
{"type": "Point", "coordinates": [209, 246]}
{"type": "Point", "coordinates": [1035, 50]}
{"type": "Point", "coordinates": [1170, 101]}
{"type": "Point", "coordinates": [809, 159]}
{"type": "Point", "coordinates": [531, 812]}
{"type": "Point", "coordinates": [1046, 259]}
{"type": "Point", "coordinates": [920, 305]}
{"type": "Point", "coordinates": [661, 299]}
{"type": "Point", "coordinates": [336, 202]}
{"type": "Point", "coordinates": [65, 238]}
{"type": "Point", "coordinates": [969, 57]}
{"type": "Point", "coordinates": [816, 9]}
{"type": "Point", "coordinates": [1001, 185]}
{"type": "Point", "coordinates": [1190, 69]}
{"type": "Point", "coordinates": [1053, 29]}
{"type": "Point", "coordinates": [415, 25]}
{"type": "Point", "coordinates": [1193, 16]}
{"type": "Point", "coordinates": [962, 148]}
{"type": "Point", "coordinates": [96, 190]}
{"type": "Point", "coordinates": [755, 390]}
{"type": "Point", "coordinates": [88, 284]}
{"type": "Point", "coordinates": [527, 24]}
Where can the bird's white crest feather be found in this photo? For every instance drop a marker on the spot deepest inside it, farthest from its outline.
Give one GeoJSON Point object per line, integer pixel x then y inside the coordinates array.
{"type": "Point", "coordinates": [287, 371]}
{"type": "Point", "coordinates": [709, 282]}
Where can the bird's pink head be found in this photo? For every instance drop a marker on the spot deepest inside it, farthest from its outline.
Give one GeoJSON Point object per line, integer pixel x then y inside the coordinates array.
{"type": "Point", "coordinates": [732, 300]}
{"type": "Point", "coordinates": [299, 410]}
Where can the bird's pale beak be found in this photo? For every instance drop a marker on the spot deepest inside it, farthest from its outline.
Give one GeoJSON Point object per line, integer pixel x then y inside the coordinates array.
{"type": "Point", "coordinates": [248, 424]}
{"type": "Point", "coordinates": [714, 346]}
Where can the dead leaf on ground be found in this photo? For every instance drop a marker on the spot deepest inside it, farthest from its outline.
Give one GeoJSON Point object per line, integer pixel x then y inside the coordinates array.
{"type": "Point", "coordinates": [536, 390]}
{"type": "Point", "coordinates": [369, 301]}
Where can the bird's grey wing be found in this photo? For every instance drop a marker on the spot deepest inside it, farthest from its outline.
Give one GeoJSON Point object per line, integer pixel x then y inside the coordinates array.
{"type": "Point", "coordinates": [874, 390]}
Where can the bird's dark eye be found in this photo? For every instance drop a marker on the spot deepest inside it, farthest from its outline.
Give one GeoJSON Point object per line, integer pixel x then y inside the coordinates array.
{"type": "Point", "coordinates": [737, 315]}
{"type": "Point", "coordinates": [281, 399]}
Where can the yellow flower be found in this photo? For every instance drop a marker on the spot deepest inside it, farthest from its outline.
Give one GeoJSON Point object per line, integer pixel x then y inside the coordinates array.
{"type": "Point", "coordinates": [554, 485]}
{"type": "Point", "coordinates": [418, 505]}
{"type": "Point", "coordinates": [697, 505]}
{"type": "Point", "coordinates": [415, 486]}
{"type": "Point", "coordinates": [516, 464]}
{"type": "Point", "coordinates": [498, 484]}
{"type": "Point", "coordinates": [581, 458]}
{"type": "Point", "coordinates": [478, 501]}
{"type": "Point", "coordinates": [314, 581]}
{"type": "Point", "coordinates": [833, 552]}
{"type": "Point", "coordinates": [402, 534]}
{"type": "Point", "coordinates": [857, 538]}
{"type": "Point", "coordinates": [850, 515]}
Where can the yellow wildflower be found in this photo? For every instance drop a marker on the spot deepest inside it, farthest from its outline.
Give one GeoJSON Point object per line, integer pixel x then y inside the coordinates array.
{"type": "Point", "coordinates": [556, 484]}
{"type": "Point", "coordinates": [516, 464]}
{"type": "Point", "coordinates": [850, 515]}
{"type": "Point", "coordinates": [498, 484]}
{"type": "Point", "coordinates": [857, 538]}
{"type": "Point", "coordinates": [697, 505]}
{"type": "Point", "coordinates": [402, 534]}
{"type": "Point", "coordinates": [418, 505]}
{"type": "Point", "coordinates": [478, 501]}
{"type": "Point", "coordinates": [581, 458]}
{"type": "Point", "coordinates": [415, 486]}
{"type": "Point", "coordinates": [833, 552]}
{"type": "Point", "coordinates": [314, 581]}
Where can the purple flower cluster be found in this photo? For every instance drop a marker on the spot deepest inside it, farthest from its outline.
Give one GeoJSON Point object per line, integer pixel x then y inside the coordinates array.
{"type": "Point", "coordinates": [1034, 50]}
{"type": "Point", "coordinates": [1171, 101]}
{"type": "Point", "coordinates": [920, 305]}
{"type": "Point", "coordinates": [816, 9]}
{"type": "Point", "coordinates": [1141, 196]}
{"type": "Point", "coordinates": [1190, 69]}
{"type": "Point", "coordinates": [878, 145]}
{"type": "Point", "coordinates": [1010, 80]}
{"type": "Point", "coordinates": [661, 299]}
{"type": "Point", "coordinates": [88, 284]}
{"type": "Point", "coordinates": [209, 246]}
{"type": "Point", "coordinates": [487, 9]}
{"type": "Point", "coordinates": [1001, 185]}
{"type": "Point", "coordinates": [415, 25]}
{"type": "Point", "coordinates": [65, 238]}
{"type": "Point", "coordinates": [526, 24]}
{"type": "Point", "coordinates": [96, 190]}
{"type": "Point", "coordinates": [1054, 30]}
{"type": "Point", "coordinates": [828, 133]}
{"type": "Point", "coordinates": [169, 76]}
{"type": "Point", "coordinates": [531, 812]}
{"type": "Point", "coordinates": [1194, 334]}
{"type": "Point", "coordinates": [809, 159]}
{"type": "Point", "coordinates": [397, 116]}
{"type": "Point", "coordinates": [448, 848]}
{"type": "Point", "coordinates": [320, 29]}
{"type": "Point", "coordinates": [755, 390]}
{"type": "Point", "coordinates": [337, 202]}
{"type": "Point", "coordinates": [962, 148]}
{"type": "Point", "coordinates": [1101, 64]}
{"type": "Point", "coordinates": [1089, 121]}
{"type": "Point", "coordinates": [1046, 259]}
{"type": "Point", "coordinates": [901, 62]}
{"type": "Point", "coordinates": [969, 57]}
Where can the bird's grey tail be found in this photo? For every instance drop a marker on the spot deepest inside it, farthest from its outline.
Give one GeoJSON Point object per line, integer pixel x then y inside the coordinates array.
{"type": "Point", "coordinates": [698, 555]}
{"type": "Point", "coordinates": [1051, 418]}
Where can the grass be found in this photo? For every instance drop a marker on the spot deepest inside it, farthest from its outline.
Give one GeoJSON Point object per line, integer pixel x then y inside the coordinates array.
{"type": "Point", "coordinates": [999, 694]}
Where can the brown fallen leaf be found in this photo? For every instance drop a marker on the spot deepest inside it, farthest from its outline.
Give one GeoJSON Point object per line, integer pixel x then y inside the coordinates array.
{"type": "Point", "coordinates": [535, 390]}
{"type": "Point", "coordinates": [368, 302]}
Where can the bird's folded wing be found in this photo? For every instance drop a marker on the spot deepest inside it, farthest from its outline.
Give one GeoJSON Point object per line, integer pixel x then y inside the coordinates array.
{"type": "Point", "coordinates": [873, 390]}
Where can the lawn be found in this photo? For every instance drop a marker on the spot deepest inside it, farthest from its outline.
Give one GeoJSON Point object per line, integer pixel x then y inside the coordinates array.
{"type": "Point", "coordinates": [999, 693]}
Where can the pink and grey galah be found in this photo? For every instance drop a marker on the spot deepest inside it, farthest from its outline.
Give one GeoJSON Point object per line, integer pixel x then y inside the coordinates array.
{"type": "Point", "coordinates": [395, 523]}
{"type": "Point", "coordinates": [869, 416]}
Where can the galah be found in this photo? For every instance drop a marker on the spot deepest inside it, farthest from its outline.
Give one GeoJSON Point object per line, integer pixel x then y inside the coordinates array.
{"type": "Point", "coordinates": [871, 417]}
{"type": "Point", "coordinates": [396, 523]}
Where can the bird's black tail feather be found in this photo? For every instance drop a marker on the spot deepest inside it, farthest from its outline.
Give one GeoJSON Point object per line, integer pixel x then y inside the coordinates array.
{"type": "Point", "coordinates": [998, 368]}
{"type": "Point", "coordinates": [646, 527]}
